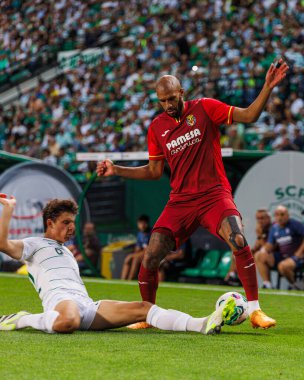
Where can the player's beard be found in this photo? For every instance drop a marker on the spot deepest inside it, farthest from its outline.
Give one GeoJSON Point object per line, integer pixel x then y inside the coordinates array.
{"type": "Point", "coordinates": [179, 109]}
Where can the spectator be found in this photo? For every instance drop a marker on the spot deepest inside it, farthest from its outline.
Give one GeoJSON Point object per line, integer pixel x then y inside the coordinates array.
{"type": "Point", "coordinates": [98, 108]}
{"type": "Point", "coordinates": [298, 139]}
{"type": "Point", "coordinates": [263, 225]}
{"type": "Point", "coordinates": [132, 262]}
{"type": "Point", "coordinates": [282, 249]}
{"type": "Point", "coordinates": [235, 140]}
{"type": "Point", "coordinates": [91, 245]}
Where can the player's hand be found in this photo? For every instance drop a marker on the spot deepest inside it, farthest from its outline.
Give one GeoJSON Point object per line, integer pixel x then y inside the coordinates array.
{"type": "Point", "coordinates": [276, 73]}
{"type": "Point", "coordinates": [105, 168]}
{"type": "Point", "coordinates": [7, 202]}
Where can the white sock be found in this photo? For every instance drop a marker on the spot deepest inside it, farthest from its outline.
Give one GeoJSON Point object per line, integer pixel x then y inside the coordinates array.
{"type": "Point", "coordinates": [43, 321]}
{"type": "Point", "coordinates": [173, 320]}
{"type": "Point", "coordinates": [252, 306]}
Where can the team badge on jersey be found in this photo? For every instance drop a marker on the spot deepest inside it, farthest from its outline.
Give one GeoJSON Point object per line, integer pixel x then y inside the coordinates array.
{"type": "Point", "coordinates": [190, 120]}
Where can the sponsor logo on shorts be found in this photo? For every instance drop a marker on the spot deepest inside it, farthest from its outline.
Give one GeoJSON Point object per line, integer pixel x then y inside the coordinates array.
{"type": "Point", "coordinates": [184, 141]}
{"type": "Point", "coordinates": [191, 120]}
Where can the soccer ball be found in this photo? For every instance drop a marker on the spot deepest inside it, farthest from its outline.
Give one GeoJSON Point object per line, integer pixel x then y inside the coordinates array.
{"type": "Point", "coordinates": [240, 311]}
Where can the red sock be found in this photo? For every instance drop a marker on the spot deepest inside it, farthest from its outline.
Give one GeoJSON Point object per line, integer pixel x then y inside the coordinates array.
{"type": "Point", "coordinates": [247, 273]}
{"type": "Point", "coordinates": [148, 283]}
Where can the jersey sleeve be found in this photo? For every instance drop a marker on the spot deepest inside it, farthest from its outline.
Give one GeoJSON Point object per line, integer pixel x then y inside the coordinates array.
{"type": "Point", "coordinates": [218, 112]}
{"type": "Point", "coordinates": [155, 150]}
{"type": "Point", "coordinates": [29, 247]}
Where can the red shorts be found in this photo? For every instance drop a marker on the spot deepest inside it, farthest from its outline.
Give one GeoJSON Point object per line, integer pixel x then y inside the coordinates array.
{"type": "Point", "coordinates": [181, 218]}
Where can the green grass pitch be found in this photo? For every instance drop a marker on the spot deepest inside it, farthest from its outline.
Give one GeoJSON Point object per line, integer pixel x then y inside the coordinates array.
{"type": "Point", "coordinates": [238, 353]}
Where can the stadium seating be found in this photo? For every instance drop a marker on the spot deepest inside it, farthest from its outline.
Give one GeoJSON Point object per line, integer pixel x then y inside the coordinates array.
{"type": "Point", "coordinates": [206, 264]}
{"type": "Point", "coordinates": [221, 270]}
{"type": "Point", "coordinates": [109, 107]}
{"type": "Point", "coordinates": [214, 265]}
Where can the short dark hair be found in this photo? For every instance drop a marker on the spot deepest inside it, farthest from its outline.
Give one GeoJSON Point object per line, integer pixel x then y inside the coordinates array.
{"type": "Point", "coordinates": [54, 208]}
{"type": "Point", "coordinates": [143, 218]}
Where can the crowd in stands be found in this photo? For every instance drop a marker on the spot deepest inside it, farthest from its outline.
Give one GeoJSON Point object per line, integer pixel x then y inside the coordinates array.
{"type": "Point", "coordinates": [218, 49]}
{"type": "Point", "coordinates": [34, 31]}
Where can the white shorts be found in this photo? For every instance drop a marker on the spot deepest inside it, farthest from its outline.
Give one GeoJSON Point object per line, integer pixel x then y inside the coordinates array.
{"type": "Point", "coordinates": [86, 306]}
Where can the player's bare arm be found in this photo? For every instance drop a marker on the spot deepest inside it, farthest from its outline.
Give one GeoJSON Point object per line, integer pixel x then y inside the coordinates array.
{"type": "Point", "coordinates": [152, 171]}
{"type": "Point", "coordinates": [12, 248]}
{"type": "Point", "coordinates": [275, 74]}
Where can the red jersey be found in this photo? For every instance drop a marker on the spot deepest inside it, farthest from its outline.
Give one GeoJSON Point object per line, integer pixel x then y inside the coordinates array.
{"type": "Point", "coordinates": [191, 146]}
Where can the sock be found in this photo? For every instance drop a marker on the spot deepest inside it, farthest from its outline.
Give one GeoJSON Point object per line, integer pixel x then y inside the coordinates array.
{"type": "Point", "coordinates": [148, 283]}
{"type": "Point", "coordinates": [252, 306]}
{"type": "Point", "coordinates": [43, 321]}
{"type": "Point", "coordinates": [247, 272]}
{"type": "Point", "coordinates": [174, 320]}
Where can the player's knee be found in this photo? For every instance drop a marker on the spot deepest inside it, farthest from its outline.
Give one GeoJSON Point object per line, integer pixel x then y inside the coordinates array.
{"type": "Point", "coordinates": [238, 241]}
{"type": "Point", "coordinates": [67, 324]}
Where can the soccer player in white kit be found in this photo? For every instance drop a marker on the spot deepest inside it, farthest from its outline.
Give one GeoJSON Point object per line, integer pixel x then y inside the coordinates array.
{"type": "Point", "coordinates": [67, 306]}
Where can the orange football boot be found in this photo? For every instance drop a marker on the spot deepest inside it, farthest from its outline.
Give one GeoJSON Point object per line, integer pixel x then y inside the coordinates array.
{"type": "Point", "coordinates": [139, 326]}
{"type": "Point", "coordinates": [259, 319]}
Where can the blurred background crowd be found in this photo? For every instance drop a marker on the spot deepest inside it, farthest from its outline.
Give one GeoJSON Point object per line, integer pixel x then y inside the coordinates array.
{"type": "Point", "coordinates": [220, 49]}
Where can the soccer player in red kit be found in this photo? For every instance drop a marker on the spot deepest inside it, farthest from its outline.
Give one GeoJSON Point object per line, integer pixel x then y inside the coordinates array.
{"type": "Point", "coordinates": [186, 134]}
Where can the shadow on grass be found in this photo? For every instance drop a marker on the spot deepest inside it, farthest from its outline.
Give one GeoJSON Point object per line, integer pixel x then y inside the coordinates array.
{"type": "Point", "coordinates": [253, 333]}
{"type": "Point", "coordinates": [152, 332]}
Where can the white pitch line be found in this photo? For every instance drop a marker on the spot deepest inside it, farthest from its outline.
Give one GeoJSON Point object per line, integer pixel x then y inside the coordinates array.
{"type": "Point", "coordinates": [175, 286]}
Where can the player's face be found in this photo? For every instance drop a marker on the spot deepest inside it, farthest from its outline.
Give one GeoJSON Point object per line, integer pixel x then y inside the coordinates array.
{"type": "Point", "coordinates": [62, 229]}
{"type": "Point", "coordinates": [171, 101]}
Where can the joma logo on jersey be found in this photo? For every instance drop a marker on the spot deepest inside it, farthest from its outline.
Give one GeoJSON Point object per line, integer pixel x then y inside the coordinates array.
{"type": "Point", "coordinates": [182, 139]}
{"type": "Point", "coordinates": [190, 120]}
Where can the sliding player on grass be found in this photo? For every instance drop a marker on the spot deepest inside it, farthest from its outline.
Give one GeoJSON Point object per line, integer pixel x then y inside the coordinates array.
{"type": "Point", "coordinates": [186, 134]}
{"type": "Point", "coordinates": [54, 273]}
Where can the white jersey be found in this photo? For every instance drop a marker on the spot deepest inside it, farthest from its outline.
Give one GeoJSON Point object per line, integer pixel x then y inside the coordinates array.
{"type": "Point", "coordinates": [52, 268]}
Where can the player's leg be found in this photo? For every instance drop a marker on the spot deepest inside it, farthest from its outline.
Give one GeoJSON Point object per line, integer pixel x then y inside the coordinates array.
{"type": "Point", "coordinates": [176, 223]}
{"type": "Point", "coordinates": [63, 319]}
{"type": "Point", "coordinates": [231, 230]}
{"type": "Point", "coordinates": [287, 269]}
{"type": "Point", "coordinates": [265, 261]}
{"type": "Point", "coordinates": [160, 245]}
{"type": "Point", "coordinates": [68, 319]}
{"type": "Point", "coordinates": [114, 314]}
